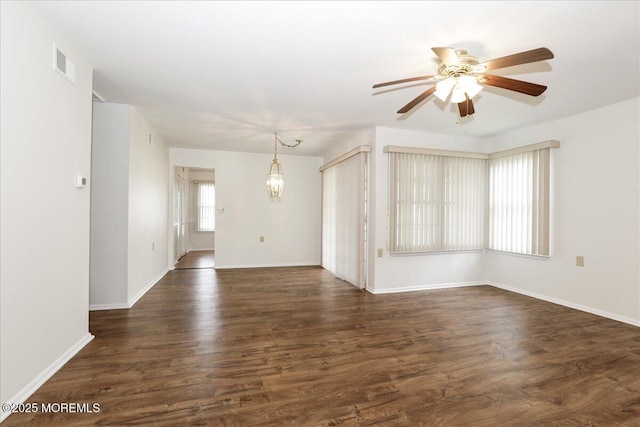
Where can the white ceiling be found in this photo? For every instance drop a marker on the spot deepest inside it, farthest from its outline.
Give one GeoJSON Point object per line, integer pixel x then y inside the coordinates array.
{"type": "Point", "coordinates": [226, 75]}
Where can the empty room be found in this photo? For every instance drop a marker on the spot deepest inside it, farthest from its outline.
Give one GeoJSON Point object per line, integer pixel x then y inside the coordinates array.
{"type": "Point", "coordinates": [320, 213]}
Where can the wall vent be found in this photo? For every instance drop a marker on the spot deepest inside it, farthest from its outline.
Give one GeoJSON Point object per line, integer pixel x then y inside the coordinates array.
{"type": "Point", "coordinates": [63, 65]}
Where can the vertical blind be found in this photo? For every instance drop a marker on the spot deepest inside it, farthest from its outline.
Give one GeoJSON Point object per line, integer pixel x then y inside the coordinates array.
{"type": "Point", "coordinates": [329, 218]}
{"type": "Point", "coordinates": [343, 218]}
{"type": "Point", "coordinates": [437, 203]}
{"type": "Point", "coordinates": [519, 203]}
{"type": "Point", "coordinates": [448, 200]}
{"type": "Point", "coordinates": [205, 205]}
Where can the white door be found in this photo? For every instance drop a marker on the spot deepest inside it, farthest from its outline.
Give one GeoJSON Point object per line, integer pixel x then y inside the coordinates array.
{"type": "Point", "coordinates": [180, 217]}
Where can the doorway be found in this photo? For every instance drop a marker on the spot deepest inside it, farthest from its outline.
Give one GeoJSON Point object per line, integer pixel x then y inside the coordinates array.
{"type": "Point", "coordinates": [194, 214]}
{"type": "Point", "coordinates": [196, 259]}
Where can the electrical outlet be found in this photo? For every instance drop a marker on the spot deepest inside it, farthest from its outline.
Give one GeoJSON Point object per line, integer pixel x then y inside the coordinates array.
{"type": "Point", "coordinates": [580, 261]}
{"type": "Point", "coordinates": [380, 253]}
{"type": "Point", "coordinates": [261, 239]}
{"type": "Point", "coordinates": [153, 246]}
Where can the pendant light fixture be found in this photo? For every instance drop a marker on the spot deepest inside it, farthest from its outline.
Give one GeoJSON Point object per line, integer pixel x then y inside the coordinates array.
{"type": "Point", "coordinates": [275, 176]}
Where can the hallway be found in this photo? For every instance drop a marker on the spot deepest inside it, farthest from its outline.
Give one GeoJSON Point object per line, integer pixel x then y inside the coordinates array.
{"type": "Point", "coordinates": [196, 259]}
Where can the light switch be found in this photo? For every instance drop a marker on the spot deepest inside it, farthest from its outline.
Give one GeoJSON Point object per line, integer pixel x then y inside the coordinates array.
{"type": "Point", "coordinates": [380, 253]}
{"type": "Point", "coordinates": [580, 261]}
{"type": "Point", "coordinates": [81, 181]}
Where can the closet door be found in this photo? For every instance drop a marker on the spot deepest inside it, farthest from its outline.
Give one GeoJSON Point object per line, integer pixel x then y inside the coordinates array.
{"type": "Point", "coordinates": [344, 186]}
{"type": "Point", "coordinates": [180, 217]}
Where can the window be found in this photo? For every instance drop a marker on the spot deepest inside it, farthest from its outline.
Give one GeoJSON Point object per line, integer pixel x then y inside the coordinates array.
{"type": "Point", "coordinates": [519, 202]}
{"type": "Point", "coordinates": [437, 202]}
{"type": "Point", "coordinates": [205, 205]}
{"type": "Point", "coordinates": [450, 201]}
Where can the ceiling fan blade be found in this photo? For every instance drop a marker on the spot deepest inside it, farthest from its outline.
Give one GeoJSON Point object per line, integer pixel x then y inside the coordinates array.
{"type": "Point", "coordinates": [447, 55]}
{"type": "Point", "coordinates": [417, 100]}
{"type": "Point", "coordinates": [527, 88]}
{"type": "Point", "coordinates": [470, 109]}
{"type": "Point", "coordinates": [534, 55]}
{"type": "Point", "coordinates": [395, 82]}
{"type": "Point", "coordinates": [466, 107]}
{"type": "Point", "coordinates": [463, 108]}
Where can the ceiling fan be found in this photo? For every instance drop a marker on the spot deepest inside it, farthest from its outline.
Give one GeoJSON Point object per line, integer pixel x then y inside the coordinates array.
{"type": "Point", "coordinates": [462, 75]}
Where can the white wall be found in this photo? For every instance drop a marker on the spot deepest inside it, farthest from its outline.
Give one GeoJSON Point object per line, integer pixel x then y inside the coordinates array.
{"type": "Point", "coordinates": [291, 227]}
{"type": "Point", "coordinates": [339, 147]}
{"type": "Point", "coordinates": [398, 273]}
{"type": "Point", "coordinates": [44, 220]}
{"type": "Point", "coordinates": [595, 213]}
{"type": "Point", "coordinates": [199, 240]}
{"type": "Point", "coordinates": [148, 207]}
{"type": "Point", "coordinates": [129, 207]}
{"type": "Point", "coordinates": [109, 203]}
{"type": "Point", "coordinates": [595, 205]}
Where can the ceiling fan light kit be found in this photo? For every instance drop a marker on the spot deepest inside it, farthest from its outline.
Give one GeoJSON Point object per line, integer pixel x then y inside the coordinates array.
{"type": "Point", "coordinates": [461, 76]}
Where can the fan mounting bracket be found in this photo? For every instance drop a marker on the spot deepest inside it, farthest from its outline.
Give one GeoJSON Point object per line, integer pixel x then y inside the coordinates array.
{"type": "Point", "coordinates": [467, 64]}
{"type": "Point", "coordinates": [455, 70]}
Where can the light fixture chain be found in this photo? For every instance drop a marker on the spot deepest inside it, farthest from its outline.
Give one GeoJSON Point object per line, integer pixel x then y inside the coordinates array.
{"type": "Point", "coordinates": [275, 148]}
{"type": "Point", "coordinates": [298, 141]}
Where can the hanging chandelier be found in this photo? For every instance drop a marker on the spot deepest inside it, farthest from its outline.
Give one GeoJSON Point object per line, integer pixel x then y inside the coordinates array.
{"type": "Point", "coordinates": [275, 176]}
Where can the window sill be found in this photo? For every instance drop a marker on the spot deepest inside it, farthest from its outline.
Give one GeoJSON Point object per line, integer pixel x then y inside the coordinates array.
{"type": "Point", "coordinates": [521, 255]}
{"type": "Point", "coordinates": [515, 254]}
{"type": "Point", "coordinates": [461, 251]}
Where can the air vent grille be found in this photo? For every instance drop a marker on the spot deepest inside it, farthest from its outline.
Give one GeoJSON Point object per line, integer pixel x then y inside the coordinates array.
{"type": "Point", "coordinates": [63, 64]}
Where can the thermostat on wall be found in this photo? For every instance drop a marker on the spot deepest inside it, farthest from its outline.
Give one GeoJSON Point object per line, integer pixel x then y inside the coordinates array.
{"type": "Point", "coordinates": [81, 181]}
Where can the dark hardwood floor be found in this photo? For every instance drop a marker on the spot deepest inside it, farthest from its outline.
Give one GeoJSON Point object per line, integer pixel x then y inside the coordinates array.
{"type": "Point", "coordinates": [196, 259]}
{"type": "Point", "coordinates": [296, 346]}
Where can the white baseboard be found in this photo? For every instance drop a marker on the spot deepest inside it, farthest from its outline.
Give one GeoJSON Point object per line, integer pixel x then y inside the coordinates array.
{"type": "Point", "coordinates": [591, 310]}
{"type": "Point", "coordinates": [286, 264]}
{"type": "Point", "coordinates": [424, 287]}
{"type": "Point", "coordinates": [37, 382]}
{"type": "Point", "coordinates": [113, 306]}
{"type": "Point", "coordinates": [132, 301]}
{"type": "Point", "coordinates": [201, 249]}
{"type": "Point", "coordinates": [144, 290]}
{"type": "Point", "coordinates": [586, 309]}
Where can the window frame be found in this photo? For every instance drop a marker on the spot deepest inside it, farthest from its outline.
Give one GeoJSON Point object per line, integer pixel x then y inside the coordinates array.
{"type": "Point", "coordinates": [198, 184]}
{"type": "Point", "coordinates": [536, 226]}
{"type": "Point", "coordinates": [543, 190]}
{"type": "Point", "coordinates": [442, 204]}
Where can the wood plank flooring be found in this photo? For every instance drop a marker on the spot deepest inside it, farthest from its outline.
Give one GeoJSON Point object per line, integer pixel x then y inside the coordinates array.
{"type": "Point", "coordinates": [196, 259]}
{"type": "Point", "coordinates": [296, 346]}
